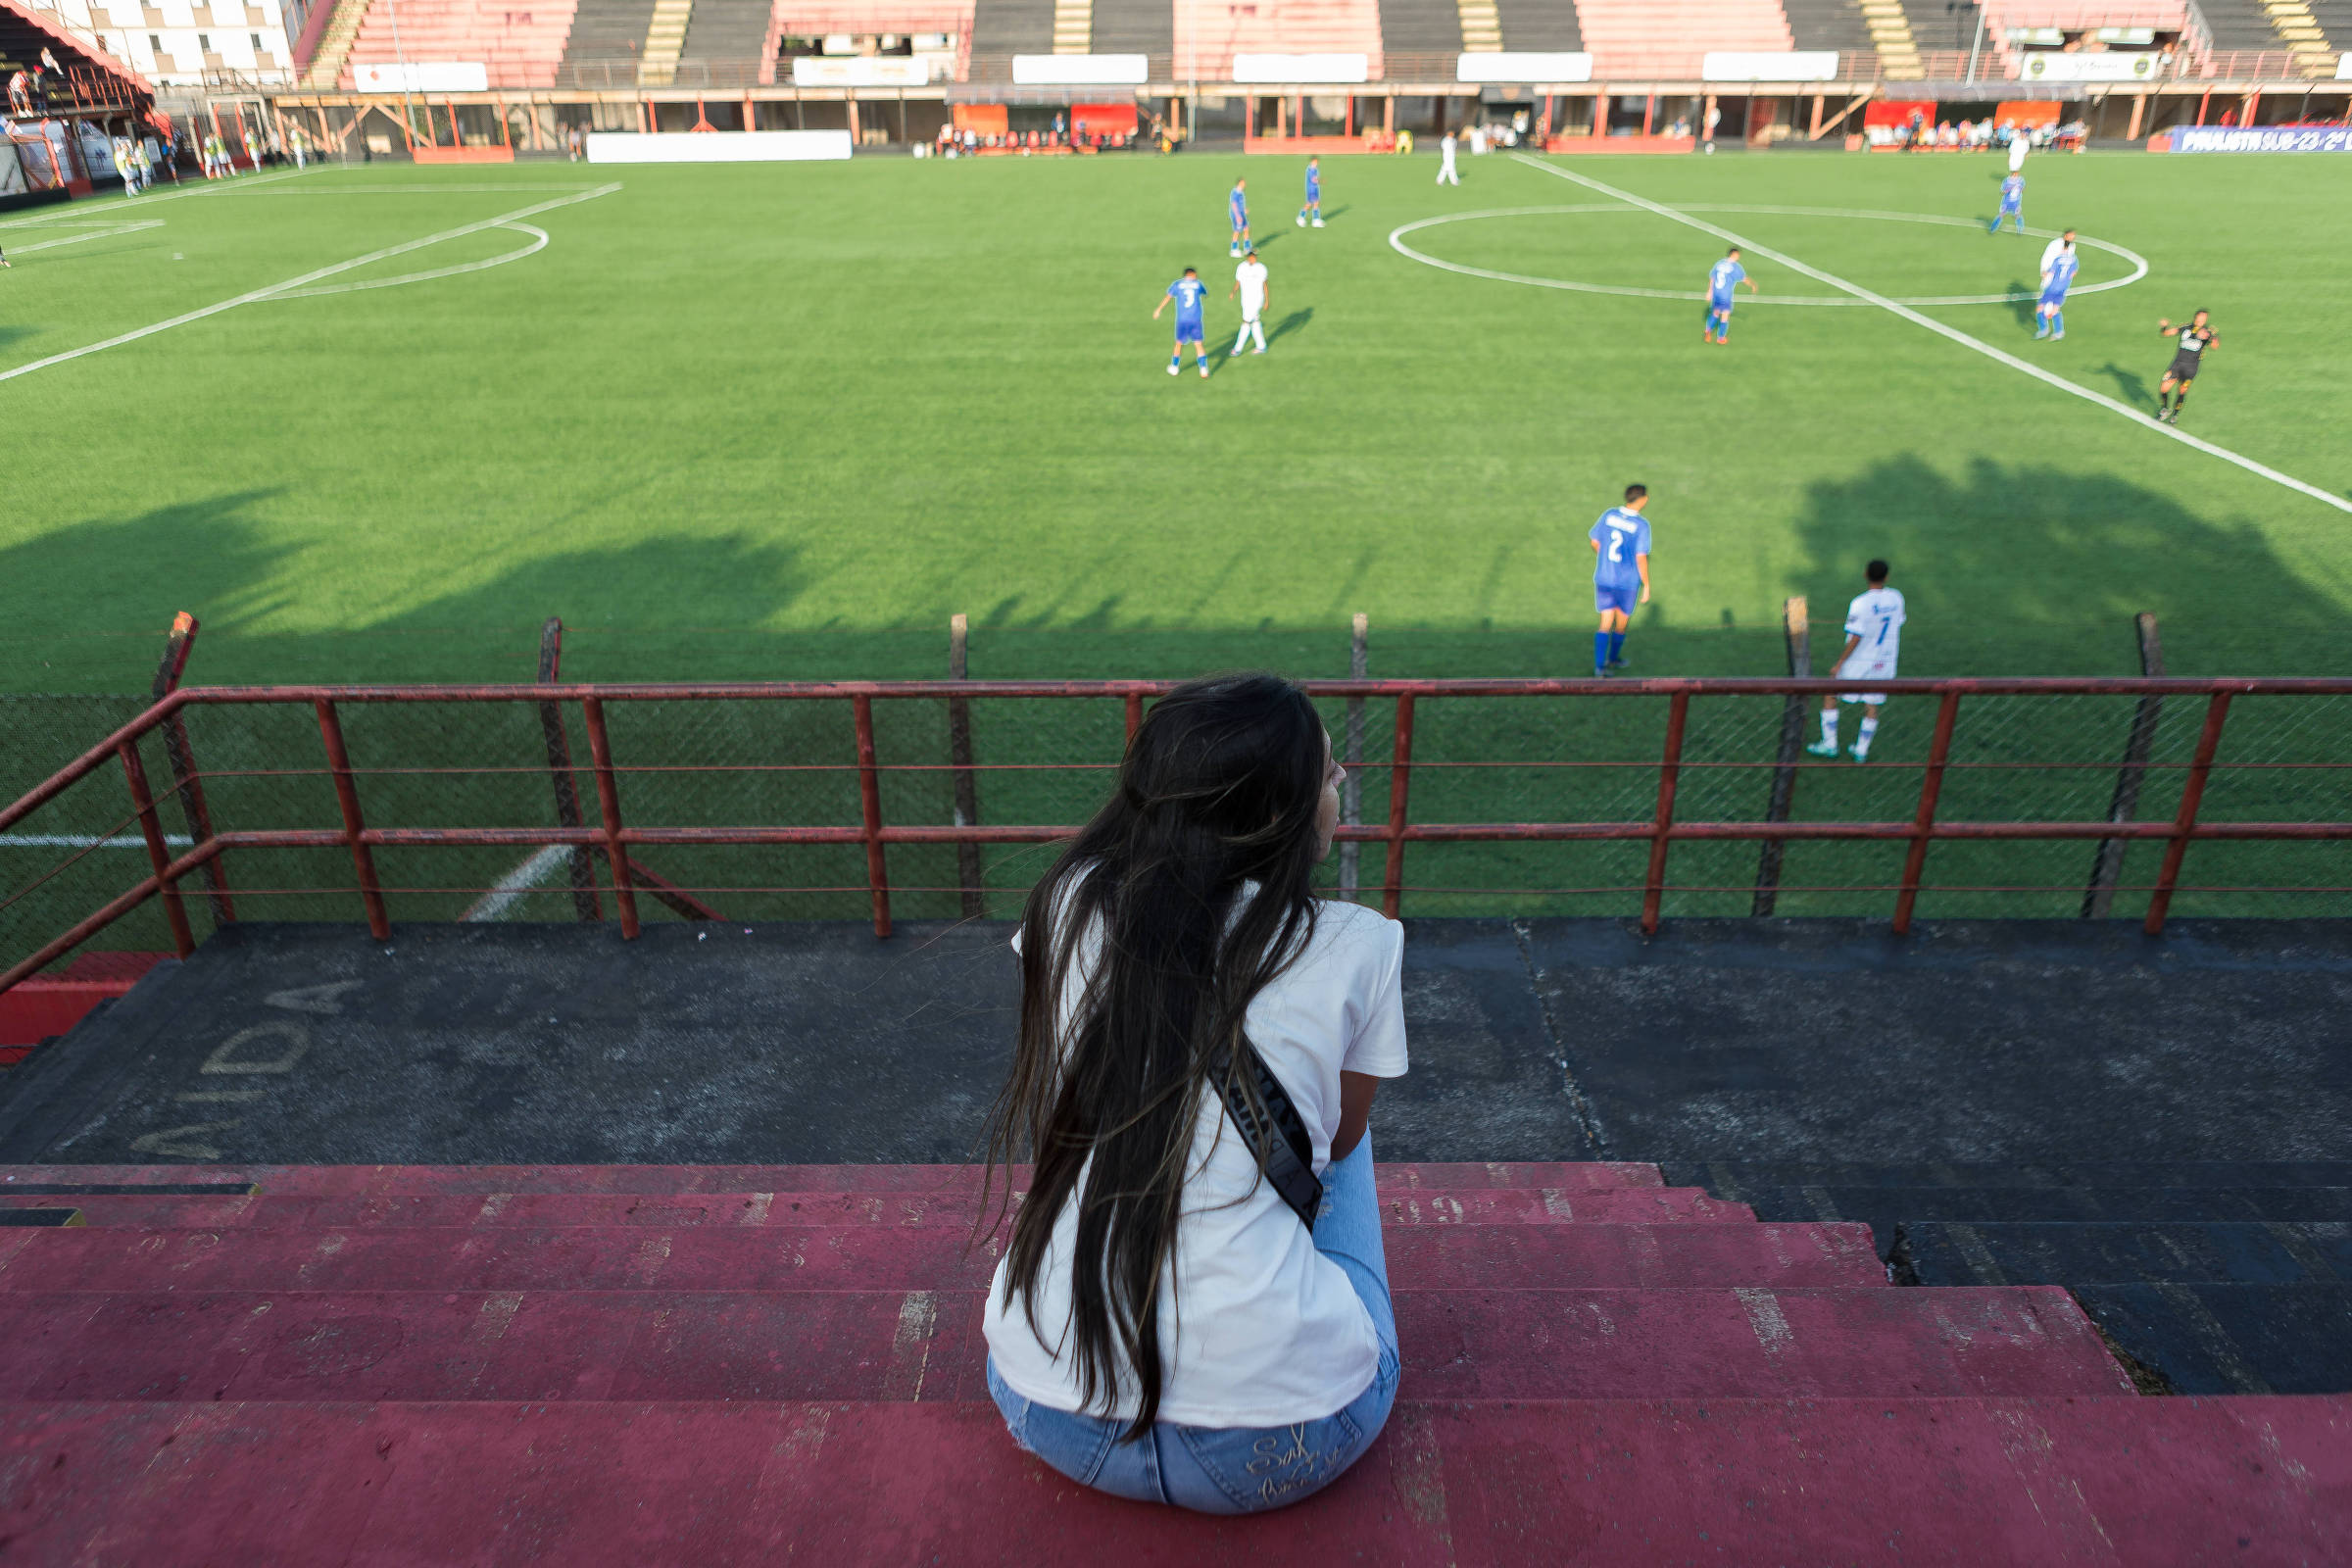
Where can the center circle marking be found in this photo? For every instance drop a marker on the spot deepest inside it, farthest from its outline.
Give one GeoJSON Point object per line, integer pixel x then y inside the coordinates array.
{"type": "Point", "coordinates": [2137, 262]}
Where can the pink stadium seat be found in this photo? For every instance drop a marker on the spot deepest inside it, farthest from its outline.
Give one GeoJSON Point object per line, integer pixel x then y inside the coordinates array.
{"type": "Point", "coordinates": [1667, 38]}
{"type": "Point", "coordinates": [521, 41]}
{"type": "Point", "coordinates": [1275, 27]}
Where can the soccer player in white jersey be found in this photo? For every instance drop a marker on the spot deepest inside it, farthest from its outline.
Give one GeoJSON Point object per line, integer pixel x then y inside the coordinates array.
{"type": "Point", "coordinates": [1448, 174]}
{"type": "Point", "coordinates": [1250, 283]}
{"type": "Point", "coordinates": [1873, 636]}
{"type": "Point", "coordinates": [2056, 248]}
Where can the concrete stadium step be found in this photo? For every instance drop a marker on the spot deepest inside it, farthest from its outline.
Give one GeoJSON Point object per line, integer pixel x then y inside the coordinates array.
{"type": "Point", "coordinates": [1885, 1208]}
{"type": "Point", "coordinates": [1635, 1483]}
{"type": "Point", "coordinates": [1735, 1179]}
{"type": "Point", "coordinates": [2109, 1251]}
{"type": "Point", "coordinates": [927, 1344]}
{"type": "Point", "coordinates": [2231, 1339]}
{"type": "Point", "coordinates": [782, 1257]}
{"type": "Point", "coordinates": [337, 1181]}
{"type": "Point", "coordinates": [1464, 1206]}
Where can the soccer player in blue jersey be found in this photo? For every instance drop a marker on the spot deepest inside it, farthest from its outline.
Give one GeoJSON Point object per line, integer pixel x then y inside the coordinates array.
{"type": "Point", "coordinates": [1188, 292]}
{"type": "Point", "coordinates": [2057, 277]}
{"type": "Point", "coordinates": [1620, 574]}
{"type": "Point", "coordinates": [1723, 278]}
{"type": "Point", "coordinates": [2013, 204]}
{"type": "Point", "coordinates": [1314, 194]}
{"type": "Point", "coordinates": [1237, 208]}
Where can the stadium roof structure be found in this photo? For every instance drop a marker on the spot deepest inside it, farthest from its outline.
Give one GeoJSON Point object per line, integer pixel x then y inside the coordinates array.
{"type": "Point", "coordinates": [95, 80]}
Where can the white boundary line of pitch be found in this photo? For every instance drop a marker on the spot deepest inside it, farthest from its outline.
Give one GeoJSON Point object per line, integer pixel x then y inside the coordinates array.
{"type": "Point", "coordinates": [292, 285]}
{"type": "Point", "coordinates": [1896, 308]}
{"type": "Point", "coordinates": [502, 894]}
{"type": "Point", "coordinates": [122, 203]}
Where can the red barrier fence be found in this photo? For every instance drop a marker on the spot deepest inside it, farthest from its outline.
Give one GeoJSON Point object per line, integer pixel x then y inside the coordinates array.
{"type": "Point", "coordinates": [2115, 762]}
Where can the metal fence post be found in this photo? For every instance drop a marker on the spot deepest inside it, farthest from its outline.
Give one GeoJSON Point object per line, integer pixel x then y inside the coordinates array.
{"type": "Point", "coordinates": [1401, 778]}
{"type": "Point", "coordinates": [186, 783]}
{"type": "Point", "coordinates": [1931, 785]}
{"type": "Point", "coordinates": [2192, 795]}
{"type": "Point", "coordinates": [1135, 715]}
{"type": "Point", "coordinates": [1351, 795]}
{"type": "Point", "coordinates": [584, 901]}
{"type": "Point", "coordinates": [870, 806]}
{"type": "Point", "coordinates": [347, 796]}
{"type": "Point", "coordinates": [2107, 867]}
{"type": "Point", "coordinates": [608, 804]}
{"type": "Point", "coordinates": [1799, 638]}
{"type": "Point", "coordinates": [157, 853]}
{"type": "Point", "coordinates": [1670, 767]}
{"type": "Point", "coordinates": [960, 760]}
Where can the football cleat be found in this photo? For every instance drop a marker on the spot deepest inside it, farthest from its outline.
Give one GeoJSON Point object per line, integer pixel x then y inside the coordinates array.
{"type": "Point", "coordinates": [1822, 749]}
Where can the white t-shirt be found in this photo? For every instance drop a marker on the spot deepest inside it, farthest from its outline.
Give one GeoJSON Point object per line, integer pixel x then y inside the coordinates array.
{"type": "Point", "coordinates": [2050, 253]}
{"type": "Point", "coordinates": [1258, 1329]}
{"type": "Point", "coordinates": [2018, 144]}
{"type": "Point", "coordinates": [1877, 617]}
{"type": "Point", "coordinates": [1251, 275]}
{"type": "Point", "coordinates": [1445, 147]}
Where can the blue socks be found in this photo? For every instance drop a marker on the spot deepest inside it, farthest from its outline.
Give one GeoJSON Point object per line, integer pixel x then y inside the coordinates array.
{"type": "Point", "coordinates": [2058, 323]}
{"type": "Point", "coordinates": [1616, 645]}
{"type": "Point", "coordinates": [1600, 652]}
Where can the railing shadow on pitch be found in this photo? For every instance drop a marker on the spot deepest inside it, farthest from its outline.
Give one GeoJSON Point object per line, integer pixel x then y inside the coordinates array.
{"type": "Point", "coordinates": [268, 774]}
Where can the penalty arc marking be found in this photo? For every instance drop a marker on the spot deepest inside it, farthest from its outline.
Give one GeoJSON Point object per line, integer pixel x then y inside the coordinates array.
{"type": "Point", "coordinates": [1952, 333]}
{"type": "Point", "coordinates": [2139, 263]}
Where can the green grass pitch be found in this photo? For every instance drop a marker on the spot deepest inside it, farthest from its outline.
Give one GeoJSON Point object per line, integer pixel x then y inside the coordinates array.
{"type": "Point", "coordinates": [783, 421]}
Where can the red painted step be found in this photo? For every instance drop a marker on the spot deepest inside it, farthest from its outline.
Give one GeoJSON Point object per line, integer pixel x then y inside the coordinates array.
{"type": "Point", "coordinates": [890, 1345]}
{"type": "Point", "coordinates": [1631, 1484]}
{"type": "Point", "coordinates": [796, 1258]}
{"type": "Point", "coordinates": [1464, 1206]}
{"type": "Point", "coordinates": [348, 1181]}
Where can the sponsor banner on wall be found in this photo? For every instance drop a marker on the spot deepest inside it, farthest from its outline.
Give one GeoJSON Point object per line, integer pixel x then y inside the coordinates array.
{"type": "Point", "coordinates": [2343, 66]}
{"type": "Point", "coordinates": [422, 75]}
{"type": "Point", "coordinates": [861, 70]}
{"type": "Point", "coordinates": [1081, 71]}
{"type": "Point", "coordinates": [2262, 139]}
{"type": "Point", "coordinates": [1287, 69]}
{"type": "Point", "coordinates": [1522, 67]}
{"type": "Point", "coordinates": [718, 147]}
{"type": "Point", "coordinates": [2114, 66]}
{"type": "Point", "coordinates": [1803, 65]}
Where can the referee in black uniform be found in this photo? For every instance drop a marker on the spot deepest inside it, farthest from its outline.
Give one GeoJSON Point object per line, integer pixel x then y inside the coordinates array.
{"type": "Point", "coordinates": [2196, 336]}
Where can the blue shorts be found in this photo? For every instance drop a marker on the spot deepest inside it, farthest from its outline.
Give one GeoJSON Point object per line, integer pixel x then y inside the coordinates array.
{"type": "Point", "coordinates": [1719, 305]}
{"type": "Point", "coordinates": [2053, 298]}
{"type": "Point", "coordinates": [1616, 596]}
{"type": "Point", "coordinates": [2012, 208]}
{"type": "Point", "coordinates": [1187, 332]}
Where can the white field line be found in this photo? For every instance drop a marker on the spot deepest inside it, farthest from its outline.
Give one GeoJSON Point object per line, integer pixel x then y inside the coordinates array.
{"type": "Point", "coordinates": [83, 840]}
{"type": "Point", "coordinates": [409, 190]}
{"type": "Point", "coordinates": [1896, 308]}
{"type": "Point", "coordinates": [2139, 263]}
{"type": "Point", "coordinates": [277, 290]}
{"type": "Point", "coordinates": [97, 231]}
{"type": "Point", "coordinates": [81, 210]}
{"type": "Point", "coordinates": [508, 889]}
{"type": "Point", "coordinates": [532, 248]}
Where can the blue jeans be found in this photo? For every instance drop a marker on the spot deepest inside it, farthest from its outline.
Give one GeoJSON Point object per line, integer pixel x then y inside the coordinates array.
{"type": "Point", "coordinates": [1240, 1469]}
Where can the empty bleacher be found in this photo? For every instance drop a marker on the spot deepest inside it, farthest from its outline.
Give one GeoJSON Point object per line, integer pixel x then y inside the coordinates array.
{"type": "Point", "coordinates": [2335, 18]}
{"type": "Point", "coordinates": [1138, 27]}
{"type": "Point", "coordinates": [2240, 25]}
{"type": "Point", "coordinates": [1421, 27]}
{"type": "Point", "coordinates": [607, 32]}
{"type": "Point", "coordinates": [522, 41]}
{"type": "Point", "coordinates": [1002, 29]}
{"type": "Point", "coordinates": [728, 29]}
{"type": "Point", "coordinates": [1540, 25]}
{"type": "Point", "coordinates": [1943, 25]}
{"type": "Point", "coordinates": [1211, 38]}
{"type": "Point", "coordinates": [1668, 38]}
{"type": "Point", "coordinates": [1828, 24]}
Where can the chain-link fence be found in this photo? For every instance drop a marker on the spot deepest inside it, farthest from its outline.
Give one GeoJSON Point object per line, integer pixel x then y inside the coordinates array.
{"type": "Point", "coordinates": [940, 799]}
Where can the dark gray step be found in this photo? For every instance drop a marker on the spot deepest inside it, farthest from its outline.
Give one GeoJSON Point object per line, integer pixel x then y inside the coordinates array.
{"type": "Point", "coordinates": [1419, 26]}
{"type": "Point", "coordinates": [2231, 1339]}
{"type": "Point", "coordinates": [1012, 28]}
{"type": "Point", "coordinates": [1733, 1179]}
{"type": "Point", "coordinates": [1827, 25]}
{"type": "Point", "coordinates": [2240, 24]}
{"type": "Point", "coordinates": [609, 30]}
{"type": "Point", "coordinates": [1885, 1208]}
{"type": "Point", "coordinates": [2128, 1253]}
{"type": "Point", "coordinates": [38, 1218]}
{"type": "Point", "coordinates": [727, 30]}
{"type": "Point", "coordinates": [1943, 24]}
{"type": "Point", "coordinates": [1540, 25]}
{"type": "Point", "coordinates": [1136, 27]}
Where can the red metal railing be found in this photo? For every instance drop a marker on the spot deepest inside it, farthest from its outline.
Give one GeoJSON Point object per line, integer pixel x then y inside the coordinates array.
{"type": "Point", "coordinates": [612, 839]}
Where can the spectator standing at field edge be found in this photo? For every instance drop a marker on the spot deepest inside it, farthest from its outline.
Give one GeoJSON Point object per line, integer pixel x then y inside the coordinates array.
{"type": "Point", "coordinates": [1193, 1306]}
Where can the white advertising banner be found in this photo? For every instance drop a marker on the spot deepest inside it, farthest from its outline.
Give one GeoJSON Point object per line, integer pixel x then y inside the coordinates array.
{"type": "Point", "coordinates": [422, 75]}
{"type": "Point", "coordinates": [1521, 66]}
{"type": "Point", "coordinates": [861, 70]}
{"type": "Point", "coordinates": [1282, 70]}
{"type": "Point", "coordinates": [2042, 65]}
{"type": "Point", "coordinates": [2262, 139]}
{"type": "Point", "coordinates": [718, 147]}
{"type": "Point", "coordinates": [1081, 71]}
{"type": "Point", "coordinates": [2343, 66]}
{"type": "Point", "coordinates": [1804, 65]}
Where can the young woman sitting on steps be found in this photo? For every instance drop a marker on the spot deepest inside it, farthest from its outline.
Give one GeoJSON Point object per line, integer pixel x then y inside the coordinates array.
{"type": "Point", "coordinates": [1165, 1324]}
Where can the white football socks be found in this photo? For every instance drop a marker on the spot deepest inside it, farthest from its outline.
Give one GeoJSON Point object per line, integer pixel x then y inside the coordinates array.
{"type": "Point", "coordinates": [1862, 739]}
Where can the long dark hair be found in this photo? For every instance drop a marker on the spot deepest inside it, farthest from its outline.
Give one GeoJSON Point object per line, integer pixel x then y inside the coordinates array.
{"type": "Point", "coordinates": [1219, 786]}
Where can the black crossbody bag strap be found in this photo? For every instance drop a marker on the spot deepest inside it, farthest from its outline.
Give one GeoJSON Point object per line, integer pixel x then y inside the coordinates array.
{"type": "Point", "coordinates": [1288, 1163]}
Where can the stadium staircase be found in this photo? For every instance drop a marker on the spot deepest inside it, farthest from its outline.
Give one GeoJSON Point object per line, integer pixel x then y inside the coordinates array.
{"type": "Point", "coordinates": [606, 33]}
{"type": "Point", "coordinates": [1540, 25]}
{"type": "Point", "coordinates": [325, 67]}
{"type": "Point", "coordinates": [1138, 27]}
{"type": "Point", "coordinates": [639, 1364]}
{"type": "Point", "coordinates": [2210, 1277]}
{"type": "Point", "coordinates": [522, 48]}
{"type": "Point", "coordinates": [728, 29]}
{"type": "Point", "coordinates": [1838, 25]}
{"type": "Point", "coordinates": [2298, 28]}
{"type": "Point", "coordinates": [1944, 24]}
{"type": "Point", "coordinates": [1632, 39]}
{"type": "Point", "coordinates": [1279, 27]}
{"type": "Point", "coordinates": [1073, 27]}
{"type": "Point", "coordinates": [2334, 18]}
{"type": "Point", "coordinates": [1476, 23]}
{"type": "Point", "coordinates": [664, 41]}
